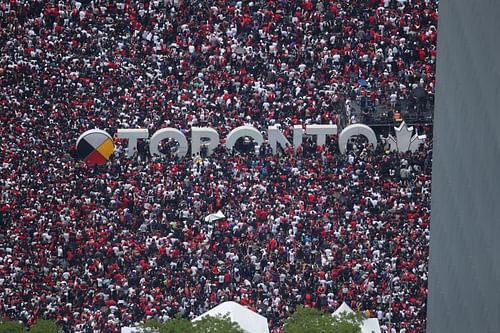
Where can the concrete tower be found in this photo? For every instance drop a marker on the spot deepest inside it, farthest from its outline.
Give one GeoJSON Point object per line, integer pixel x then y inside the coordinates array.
{"type": "Point", "coordinates": [464, 273]}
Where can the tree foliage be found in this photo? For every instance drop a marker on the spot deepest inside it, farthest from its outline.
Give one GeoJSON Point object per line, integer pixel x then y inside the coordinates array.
{"type": "Point", "coordinates": [314, 321]}
{"type": "Point", "coordinates": [151, 324]}
{"type": "Point", "coordinates": [348, 323]}
{"type": "Point", "coordinates": [11, 327]}
{"type": "Point", "coordinates": [205, 325]}
{"type": "Point", "coordinates": [41, 326]}
{"type": "Point", "coordinates": [177, 325]}
{"type": "Point", "coordinates": [44, 326]}
{"type": "Point", "coordinates": [210, 324]}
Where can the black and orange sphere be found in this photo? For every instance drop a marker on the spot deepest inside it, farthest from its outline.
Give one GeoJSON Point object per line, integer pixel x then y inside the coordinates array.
{"type": "Point", "coordinates": [95, 147]}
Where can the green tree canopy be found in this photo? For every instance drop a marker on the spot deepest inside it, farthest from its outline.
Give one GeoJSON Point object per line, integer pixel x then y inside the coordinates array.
{"type": "Point", "coordinates": [205, 325]}
{"type": "Point", "coordinates": [210, 324]}
{"type": "Point", "coordinates": [41, 326]}
{"type": "Point", "coordinates": [11, 327]}
{"type": "Point", "coordinates": [314, 321]}
{"type": "Point", "coordinates": [44, 326]}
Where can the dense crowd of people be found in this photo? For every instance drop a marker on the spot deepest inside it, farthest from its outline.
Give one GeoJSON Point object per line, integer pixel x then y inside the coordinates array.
{"type": "Point", "coordinates": [101, 247]}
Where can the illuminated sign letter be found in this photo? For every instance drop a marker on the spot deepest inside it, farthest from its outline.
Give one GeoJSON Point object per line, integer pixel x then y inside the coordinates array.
{"type": "Point", "coordinates": [275, 137]}
{"type": "Point", "coordinates": [298, 133]}
{"type": "Point", "coordinates": [198, 133]}
{"type": "Point", "coordinates": [241, 132]}
{"type": "Point", "coordinates": [321, 131]}
{"type": "Point", "coordinates": [132, 135]}
{"type": "Point", "coordinates": [355, 130]}
{"type": "Point", "coordinates": [168, 133]}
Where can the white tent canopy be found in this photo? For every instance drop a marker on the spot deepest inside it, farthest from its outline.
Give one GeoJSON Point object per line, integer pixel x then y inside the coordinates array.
{"type": "Point", "coordinates": [248, 320]}
{"type": "Point", "coordinates": [214, 217]}
{"type": "Point", "coordinates": [370, 325]}
{"type": "Point", "coordinates": [343, 308]}
{"type": "Point", "coordinates": [130, 330]}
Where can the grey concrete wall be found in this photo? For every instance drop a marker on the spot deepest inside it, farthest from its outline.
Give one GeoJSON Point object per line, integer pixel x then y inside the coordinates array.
{"type": "Point", "coordinates": [464, 273]}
